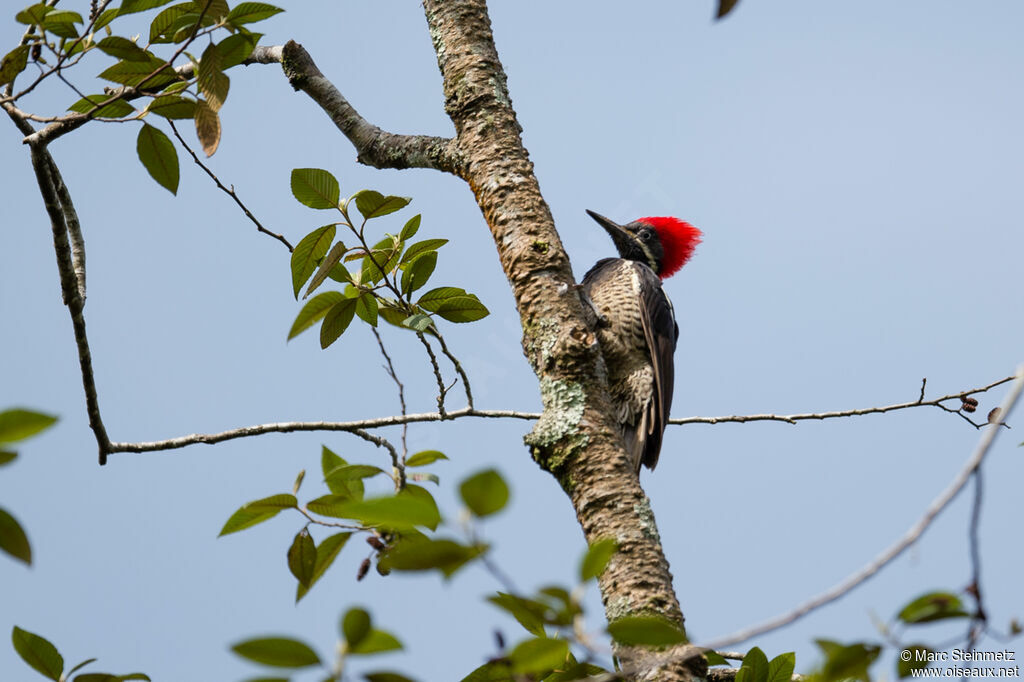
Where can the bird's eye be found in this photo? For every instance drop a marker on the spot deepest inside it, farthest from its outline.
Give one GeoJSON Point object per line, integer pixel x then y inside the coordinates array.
{"type": "Point", "coordinates": [645, 235]}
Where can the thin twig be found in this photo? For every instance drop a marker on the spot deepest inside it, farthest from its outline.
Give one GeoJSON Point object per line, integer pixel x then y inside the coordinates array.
{"type": "Point", "coordinates": [230, 192]}
{"type": "Point", "coordinates": [909, 538]}
{"type": "Point", "coordinates": [793, 418]}
{"type": "Point", "coordinates": [442, 390]}
{"type": "Point", "coordinates": [390, 368]}
{"type": "Point", "coordinates": [42, 163]}
{"type": "Point", "coordinates": [383, 442]}
{"type": "Point", "coordinates": [458, 368]}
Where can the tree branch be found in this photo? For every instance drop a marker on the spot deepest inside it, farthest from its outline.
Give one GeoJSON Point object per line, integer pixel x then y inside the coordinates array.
{"type": "Point", "coordinates": [909, 538]}
{"type": "Point", "coordinates": [794, 418]}
{"type": "Point", "coordinates": [375, 147]}
{"type": "Point", "coordinates": [71, 287]}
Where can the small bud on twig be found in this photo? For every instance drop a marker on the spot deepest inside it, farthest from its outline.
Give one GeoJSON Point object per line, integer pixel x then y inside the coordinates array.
{"type": "Point", "coordinates": [364, 568]}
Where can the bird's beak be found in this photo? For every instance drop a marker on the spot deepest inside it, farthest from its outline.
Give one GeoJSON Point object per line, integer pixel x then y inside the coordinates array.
{"type": "Point", "coordinates": [619, 234]}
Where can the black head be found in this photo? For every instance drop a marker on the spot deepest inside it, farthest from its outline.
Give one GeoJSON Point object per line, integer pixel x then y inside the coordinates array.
{"type": "Point", "coordinates": [637, 241]}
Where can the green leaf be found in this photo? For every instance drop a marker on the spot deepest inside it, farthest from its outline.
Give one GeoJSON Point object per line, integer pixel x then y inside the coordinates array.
{"type": "Point", "coordinates": [497, 670]}
{"type": "Point", "coordinates": [419, 553]}
{"type": "Point", "coordinates": [336, 321]}
{"type": "Point", "coordinates": [63, 29]}
{"type": "Point", "coordinates": [355, 626]}
{"type": "Point", "coordinates": [919, 658]}
{"type": "Point", "coordinates": [107, 16]}
{"type": "Point", "coordinates": [346, 472]}
{"type": "Point", "coordinates": [33, 14]}
{"type": "Point", "coordinates": [62, 16]}
{"type": "Point", "coordinates": [418, 272]}
{"type": "Point", "coordinates": [308, 252]}
{"type": "Point", "coordinates": [329, 461]}
{"type": "Point", "coordinates": [160, 28]}
{"type": "Point", "coordinates": [7, 456]}
{"type": "Point", "coordinates": [412, 226]}
{"type": "Point", "coordinates": [80, 666]}
{"type": "Point", "coordinates": [116, 109]}
{"type": "Point", "coordinates": [843, 662]}
{"type": "Point", "coordinates": [215, 9]}
{"type": "Point", "coordinates": [122, 48]}
{"type": "Point", "coordinates": [566, 608]}
{"type": "Point", "coordinates": [781, 667]}
{"type": "Point", "coordinates": [332, 259]}
{"type": "Point", "coordinates": [539, 655]}
{"type": "Point", "coordinates": [107, 677]}
{"type": "Point", "coordinates": [435, 297]}
{"type": "Point", "coordinates": [18, 424]}
{"type": "Point", "coordinates": [257, 511]}
{"type": "Point", "coordinates": [931, 607]}
{"type": "Point", "coordinates": [249, 12]}
{"type": "Point", "coordinates": [366, 309]}
{"type": "Point", "coordinates": [400, 511]}
{"type": "Point", "coordinates": [376, 642]}
{"type": "Point", "coordinates": [373, 204]}
{"type": "Point", "coordinates": [236, 48]}
{"type": "Point", "coordinates": [132, 6]}
{"type": "Point", "coordinates": [329, 505]}
{"type": "Point", "coordinates": [157, 153]}
{"type": "Point", "coordinates": [422, 247]}
{"type": "Point", "coordinates": [484, 493]}
{"type": "Point", "coordinates": [713, 658]}
{"type": "Point", "coordinates": [38, 653]}
{"type": "Point", "coordinates": [529, 613]}
{"type": "Point", "coordinates": [152, 74]}
{"type": "Point", "coordinates": [13, 540]}
{"type": "Point", "coordinates": [302, 557]}
{"type": "Point", "coordinates": [315, 188]}
{"type": "Point", "coordinates": [386, 676]}
{"type": "Point", "coordinates": [315, 309]}
{"type": "Point", "coordinates": [646, 631]}
{"type": "Point", "coordinates": [173, 107]}
{"type": "Point", "coordinates": [212, 81]}
{"type": "Point", "coordinates": [62, 23]}
{"type": "Point", "coordinates": [574, 670]}
{"type": "Point", "coordinates": [280, 652]}
{"type": "Point", "coordinates": [326, 552]}
{"type": "Point", "coordinates": [208, 128]}
{"type": "Point", "coordinates": [462, 309]}
{"type": "Point", "coordinates": [596, 558]}
{"type": "Point", "coordinates": [418, 322]}
{"type": "Point", "coordinates": [424, 457]}
{"type": "Point", "coordinates": [13, 63]}
{"type": "Point", "coordinates": [754, 668]}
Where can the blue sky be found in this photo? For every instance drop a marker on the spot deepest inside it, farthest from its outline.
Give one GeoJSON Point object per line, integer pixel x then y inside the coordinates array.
{"type": "Point", "coordinates": [856, 169]}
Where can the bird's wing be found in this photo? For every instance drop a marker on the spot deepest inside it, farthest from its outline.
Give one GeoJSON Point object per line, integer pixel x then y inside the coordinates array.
{"type": "Point", "coordinates": [661, 333]}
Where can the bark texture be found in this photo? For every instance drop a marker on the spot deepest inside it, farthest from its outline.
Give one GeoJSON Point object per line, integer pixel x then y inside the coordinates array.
{"type": "Point", "coordinates": [577, 438]}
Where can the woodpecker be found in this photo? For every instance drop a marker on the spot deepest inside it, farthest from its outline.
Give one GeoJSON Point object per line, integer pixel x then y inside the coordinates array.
{"type": "Point", "coordinates": [636, 325]}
